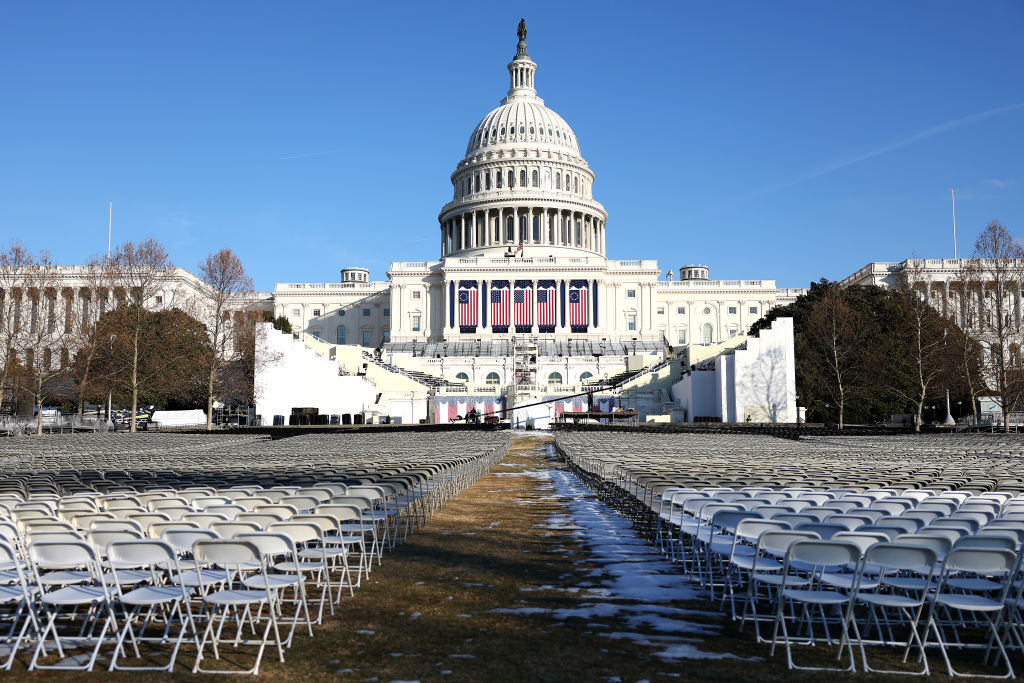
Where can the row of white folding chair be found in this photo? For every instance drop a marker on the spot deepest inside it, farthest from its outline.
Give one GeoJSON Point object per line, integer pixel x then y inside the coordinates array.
{"type": "Point", "coordinates": [56, 570]}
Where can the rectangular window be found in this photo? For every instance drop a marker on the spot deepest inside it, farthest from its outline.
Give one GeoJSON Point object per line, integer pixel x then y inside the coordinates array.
{"type": "Point", "coordinates": [732, 310]}
{"type": "Point", "coordinates": [681, 310]}
{"type": "Point", "coordinates": [159, 300]}
{"type": "Point", "coordinates": [387, 312]}
{"type": "Point", "coordinates": [316, 333]}
{"type": "Point", "coordinates": [631, 321]}
{"type": "Point", "coordinates": [732, 333]}
{"type": "Point", "coordinates": [682, 336]}
{"type": "Point", "coordinates": [753, 310]}
{"type": "Point", "coordinates": [366, 312]}
{"type": "Point", "coordinates": [296, 312]}
{"type": "Point", "coordinates": [316, 312]}
{"type": "Point", "coordinates": [630, 293]}
{"type": "Point", "coordinates": [387, 337]}
{"type": "Point", "coordinates": [415, 323]}
{"type": "Point", "coordinates": [416, 294]}
{"type": "Point", "coordinates": [661, 310]}
{"type": "Point", "coordinates": [366, 337]}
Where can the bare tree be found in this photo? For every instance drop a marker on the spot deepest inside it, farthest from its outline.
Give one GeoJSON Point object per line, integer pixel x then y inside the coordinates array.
{"type": "Point", "coordinates": [998, 265]}
{"type": "Point", "coordinates": [48, 335]}
{"type": "Point", "coordinates": [921, 359]}
{"type": "Point", "coordinates": [834, 335]}
{"type": "Point", "coordinates": [15, 263]}
{"type": "Point", "coordinates": [967, 352]}
{"type": "Point", "coordinates": [97, 284]}
{"type": "Point", "coordinates": [141, 271]}
{"type": "Point", "coordinates": [228, 289]}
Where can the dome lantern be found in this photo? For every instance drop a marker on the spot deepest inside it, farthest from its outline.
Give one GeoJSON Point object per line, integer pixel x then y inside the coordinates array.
{"type": "Point", "coordinates": [521, 70]}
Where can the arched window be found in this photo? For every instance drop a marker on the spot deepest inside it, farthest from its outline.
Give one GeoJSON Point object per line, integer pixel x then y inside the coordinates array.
{"type": "Point", "coordinates": [488, 177]}
{"type": "Point", "coordinates": [536, 227]}
{"type": "Point", "coordinates": [509, 227]}
{"type": "Point", "coordinates": [534, 178]}
{"type": "Point", "coordinates": [492, 378]}
{"type": "Point", "coordinates": [498, 179]}
{"type": "Point", "coordinates": [522, 227]}
{"type": "Point", "coordinates": [558, 181]}
{"type": "Point", "coordinates": [341, 334]}
{"type": "Point", "coordinates": [522, 177]}
{"type": "Point", "coordinates": [567, 182]}
{"type": "Point", "coordinates": [706, 334]}
{"type": "Point", "coordinates": [585, 376]}
{"type": "Point", "coordinates": [462, 377]}
{"type": "Point", "coordinates": [576, 184]}
{"type": "Point", "coordinates": [477, 182]}
{"type": "Point", "coordinates": [511, 180]}
{"type": "Point", "coordinates": [555, 378]}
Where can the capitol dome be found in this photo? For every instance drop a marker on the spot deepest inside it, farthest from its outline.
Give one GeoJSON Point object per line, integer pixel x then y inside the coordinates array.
{"type": "Point", "coordinates": [523, 180]}
{"type": "Point", "coordinates": [522, 120]}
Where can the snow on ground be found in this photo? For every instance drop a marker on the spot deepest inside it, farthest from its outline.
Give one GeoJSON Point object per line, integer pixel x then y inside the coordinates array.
{"type": "Point", "coordinates": [631, 580]}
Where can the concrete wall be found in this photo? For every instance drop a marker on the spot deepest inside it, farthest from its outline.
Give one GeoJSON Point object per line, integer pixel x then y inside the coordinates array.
{"type": "Point", "coordinates": [291, 375]}
{"type": "Point", "coordinates": [758, 381]}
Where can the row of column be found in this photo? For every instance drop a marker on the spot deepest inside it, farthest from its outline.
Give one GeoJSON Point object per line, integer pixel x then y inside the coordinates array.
{"type": "Point", "coordinates": [499, 227]}
{"type": "Point", "coordinates": [981, 303]}
{"type": "Point", "coordinates": [32, 307]}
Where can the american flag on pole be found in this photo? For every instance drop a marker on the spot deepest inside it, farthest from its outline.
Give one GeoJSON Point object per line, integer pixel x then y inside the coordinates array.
{"type": "Point", "coordinates": [578, 306]}
{"type": "Point", "coordinates": [519, 249]}
{"type": "Point", "coordinates": [467, 307]}
{"type": "Point", "coordinates": [546, 305]}
{"type": "Point", "coordinates": [499, 306]}
{"type": "Point", "coordinates": [522, 306]}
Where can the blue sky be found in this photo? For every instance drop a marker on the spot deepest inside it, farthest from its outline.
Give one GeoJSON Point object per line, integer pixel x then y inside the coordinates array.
{"type": "Point", "coordinates": [778, 140]}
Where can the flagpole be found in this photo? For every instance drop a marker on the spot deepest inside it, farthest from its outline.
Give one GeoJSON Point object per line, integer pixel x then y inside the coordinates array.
{"type": "Point", "coordinates": [952, 196]}
{"type": "Point", "coordinates": [110, 225]}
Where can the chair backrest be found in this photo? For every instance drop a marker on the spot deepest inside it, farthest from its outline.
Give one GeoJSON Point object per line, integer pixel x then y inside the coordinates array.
{"type": "Point", "coordinates": [150, 552]}
{"type": "Point", "coordinates": [226, 552]}
{"type": "Point", "coordinates": [231, 529]}
{"type": "Point", "coordinates": [822, 553]}
{"type": "Point", "coordinates": [728, 519]}
{"type": "Point", "coordinates": [859, 539]}
{"type": "Point", "coordinates": [902, 556]}
{"type": "Point", "coordinates": [65, 555]}
{"type": "Point", "coordinates": [777, 542]}
{"type": "Point", "coordinates": [986, 542]}
{"type": "Point", "coordinates": [182, 540]}
{"type": "Point", "coordinates": [227, 510]}
{"type": "Point", "coordinates": [270, 544]}
{"type": "Point", "coordinates": [286, 511]}
{"type": "Point", "coordinates": [796, 520]}
{"type": "Point", "coordinates": [299, 532]}
{"type": "Point", "coordinates": [115, 525]}
{"type": "Point", "coordinates": [989, 562]}
{"type": "Point", "coordinates": [205, 519]}
{"type": "Point", "coordinates": [342, 513]}
{"type": "Point", "coordinates": [361, 502]}
{"type": "Point", "coordinates": [950, 534]}
{"type": "Point", "coordinates": [940, 545]}
{"type": "Point", "coordinates": [822, 529]}
{"type": "Point", "coordinates": [301, 503]}
{"type": "Point", "coordinates": [259, 519]}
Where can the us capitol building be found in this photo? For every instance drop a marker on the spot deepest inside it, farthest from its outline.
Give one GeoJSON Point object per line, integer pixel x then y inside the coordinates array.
{"type": "Point", "coordinates": [523, 259]}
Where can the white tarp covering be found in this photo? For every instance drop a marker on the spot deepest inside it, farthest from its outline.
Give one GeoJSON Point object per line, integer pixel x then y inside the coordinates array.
{"type": "Point", "coordinates": [179, 418]}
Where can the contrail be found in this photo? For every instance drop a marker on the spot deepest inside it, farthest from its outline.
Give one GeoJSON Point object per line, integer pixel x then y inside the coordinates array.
{"type": "Point", "coordinates": [916, 137]}
{"type": "Point", "coordinates": [308, 154]}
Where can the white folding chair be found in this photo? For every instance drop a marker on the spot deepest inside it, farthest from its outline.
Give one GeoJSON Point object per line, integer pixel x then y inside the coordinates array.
{"type": "Point", "coordinates": [973, 581]}
{"type": "Point", "coordinates": [896, 603]}
{"type": "Point", "coordinates": [805, 564]}
{"type": "Point", "coordinates": [161, 601]}
{"type": "Point", "coordinates": [89, 592]}
{"type": "Point", "coordinates": [235, 604]}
